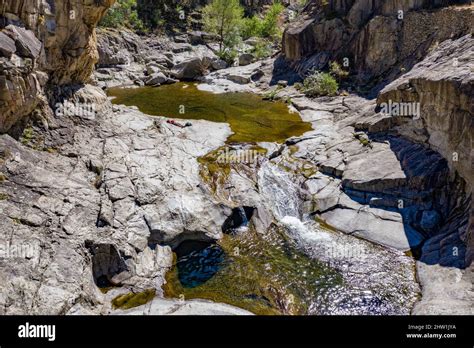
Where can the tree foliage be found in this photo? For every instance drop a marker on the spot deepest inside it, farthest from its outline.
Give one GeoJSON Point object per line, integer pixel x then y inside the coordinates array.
{"type": "Point", "coordinates": [264, 28]}
{"type": "Point", "coordinates": [123, 14]}
{"type": "Point", "coordinates": [223, 18]}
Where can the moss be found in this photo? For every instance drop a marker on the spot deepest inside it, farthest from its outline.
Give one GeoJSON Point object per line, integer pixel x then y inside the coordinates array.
{"type": "Point", "coordinates": [363, 140]}
{"type": "Point", "coordinates": [5, 154]}
{"type": "Point", "coordinates": [97, 181]}
{"type": "Point", "coordinates": [132, 299]}
{"type": "Point", "coordinates": [2, 177]}
{"type": "Point", "coordinates": [296, 165]}
{"type": "Point", "coordinates": [27, 136]}
{"type": "Point", "coordinates": [106, 289]}
{"type": "Point", "coordinates": [212, 172]}
{"type": "Point", "coordinates": [3, 196]}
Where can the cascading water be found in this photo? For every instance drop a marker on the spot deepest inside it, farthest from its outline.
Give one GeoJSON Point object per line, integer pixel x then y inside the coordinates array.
{"type": "Point", "coordinates": [364, 290]}
{"type": "Point", "coordinates": [243, 217]}
{"type": "Point", "coordinates": [279, 191]}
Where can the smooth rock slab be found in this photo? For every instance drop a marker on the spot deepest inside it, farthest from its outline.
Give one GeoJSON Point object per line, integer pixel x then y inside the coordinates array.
{"type": "Point", "coordinates": [379, 226]}
{"type": "Point", "coordinates": [161, 306]}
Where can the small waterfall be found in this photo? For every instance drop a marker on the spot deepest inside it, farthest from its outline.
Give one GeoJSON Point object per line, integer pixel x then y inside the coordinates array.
{"type": "Point", "coordinates": [243, 217]}
{"type": "Point", "coordinates": [303, 235]}
{"type": "Point", "coordinates": [280, 191]}
{"type": "Point", "coordinates": [282, 196]}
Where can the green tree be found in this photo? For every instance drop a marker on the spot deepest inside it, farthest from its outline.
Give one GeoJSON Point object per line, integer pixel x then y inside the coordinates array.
{"type": "Point", "coordinates": [224, 18]}
{"type": "Point", "coordinates": [266, 27]}
{"type": "Point", "coordinates": [123, 14]}
{"type": "Point", "coordinates": [270, 26]}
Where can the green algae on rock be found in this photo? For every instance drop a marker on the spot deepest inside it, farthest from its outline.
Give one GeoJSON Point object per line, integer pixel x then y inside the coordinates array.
{"type": "Point", "coordinates": [130, 300]}
{"type": "Point", "coordinates": [251, 118]}
{"type": "Point", "coordinates": [216, 166]}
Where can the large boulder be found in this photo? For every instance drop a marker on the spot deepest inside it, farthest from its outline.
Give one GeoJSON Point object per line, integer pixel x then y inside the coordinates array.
{"type": "Point", "coordinates": [156, 79]}
{"type": "Point", "coordinates": [189, 69]}
{"type": "Point", "coordinates": [27, 45]}
{"type": "Point", "coordinates": [246, 59]}
{"type": "Point", "coordinates": [219, 64]}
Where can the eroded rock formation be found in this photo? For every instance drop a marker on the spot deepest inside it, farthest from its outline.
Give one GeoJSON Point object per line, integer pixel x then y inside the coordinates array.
{"type": "Point", "coordinates": [380, 39]}
{"type": "Point", "coordinates": [44, 42]}
{"type": "Point", "coordinates": [115, 192]}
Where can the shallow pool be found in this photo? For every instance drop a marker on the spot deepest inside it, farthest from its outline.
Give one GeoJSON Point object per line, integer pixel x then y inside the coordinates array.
{"type": "Point", "coordinates": [251, 118]}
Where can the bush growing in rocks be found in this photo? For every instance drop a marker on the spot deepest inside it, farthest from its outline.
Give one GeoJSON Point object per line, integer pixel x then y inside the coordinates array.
{"type": "Point", "coordinates": [319, 84]}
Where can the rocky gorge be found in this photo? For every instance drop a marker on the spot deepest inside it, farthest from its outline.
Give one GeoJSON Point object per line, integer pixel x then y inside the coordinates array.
{"type": "Point", "coordinates": [361, 213]}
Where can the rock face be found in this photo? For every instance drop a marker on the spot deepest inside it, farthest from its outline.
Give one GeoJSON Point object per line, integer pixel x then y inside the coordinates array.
{"type": "Point", "coordinates": [135, 191]}
{"type": "Point", "coordinates": [105, 224]}
{"type": "Point", "coordinates": [378, 39]}
{"type": "Point", "coordinates": [21, 87]}
{"type": "Point", "coordinates": [443, 85]}
{"type": "Point", "coordinates": [67, 29]}
{"type": "Point", "coordinates": [381, 40]}
{"type": "Point", "coordinates": [58, 39]}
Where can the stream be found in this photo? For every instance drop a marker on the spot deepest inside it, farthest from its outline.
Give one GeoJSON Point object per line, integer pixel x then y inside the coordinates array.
{"type": "Point", "coordinates": [296, 266]}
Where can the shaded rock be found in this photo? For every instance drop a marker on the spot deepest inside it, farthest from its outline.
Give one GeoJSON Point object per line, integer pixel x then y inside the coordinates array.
{"type": "Point", "coordinates": [7, 45]}
{"type": "Point", "coordinates": [218, 64]}
{"type": "Point", "coordinates": [181, 39]}
{"type": "Point", "coordinates": [181, 47]}
{"type": "Point", "coordinates": [156, 79]}
{"type": "Point", "coordinates": [27, 45]}
{"type": "Point", "coordinates": [195, 38]}
{"type": "Point", "coordinates": [246, 59]}
{"type": "Point", "coordinates": [189, 70]}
